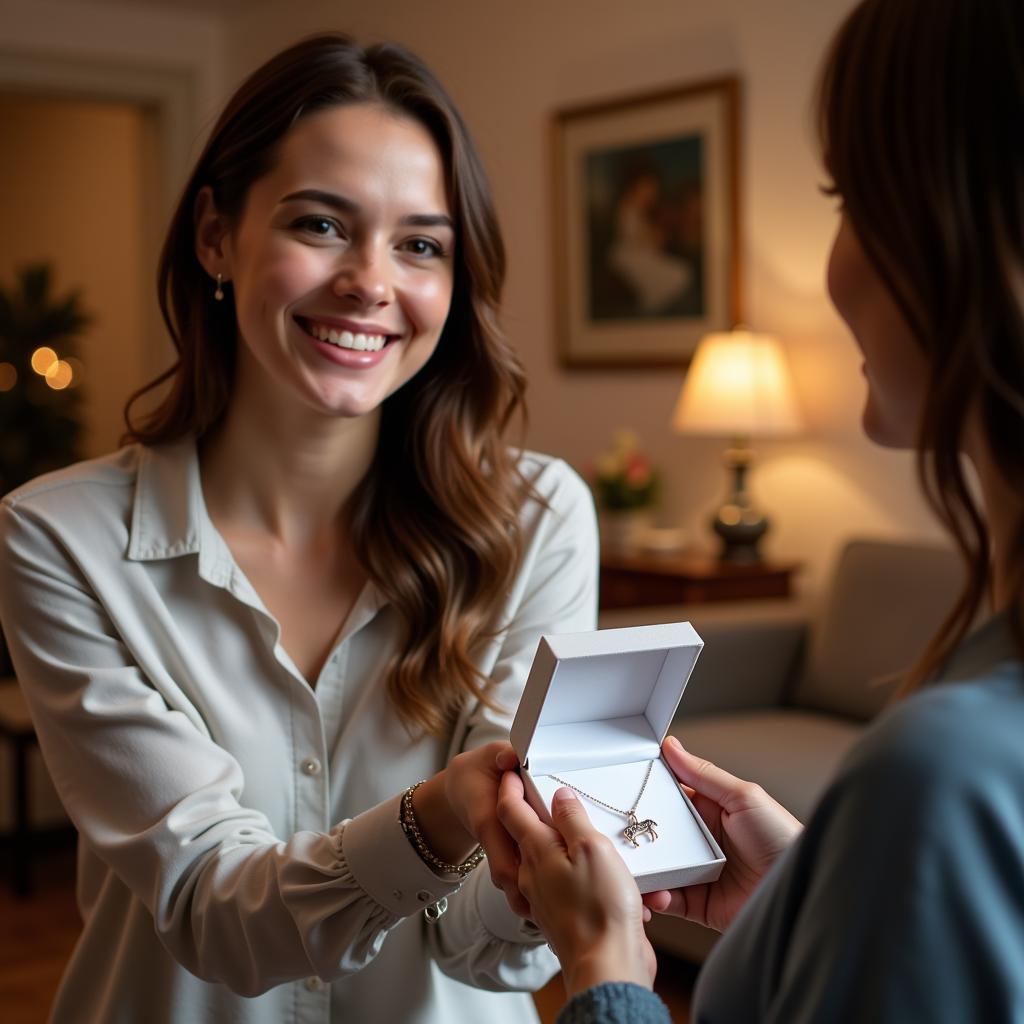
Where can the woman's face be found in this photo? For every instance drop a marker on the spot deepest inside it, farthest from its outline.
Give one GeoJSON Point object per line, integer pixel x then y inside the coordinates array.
{"type": "Point", "coordinates": [894, 365]}
{"type": "Point", "coordinates": [342, 263]}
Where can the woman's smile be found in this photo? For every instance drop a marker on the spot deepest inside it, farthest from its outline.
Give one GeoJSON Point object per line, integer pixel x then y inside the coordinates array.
{"type": "Point", "coordinates": [347, 334]}
{"type": "Point", "coordinates": [348, 343]}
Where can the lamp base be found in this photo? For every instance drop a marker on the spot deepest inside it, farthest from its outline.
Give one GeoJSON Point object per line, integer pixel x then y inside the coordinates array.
{"type": "Point", "coordinates": [740, 531]}
{"type": "Point", "coordinates": [738, 523]}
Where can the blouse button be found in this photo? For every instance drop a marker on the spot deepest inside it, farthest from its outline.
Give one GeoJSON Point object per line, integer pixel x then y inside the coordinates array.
{"type": "Point", "coordinates": [314, 984]}
{"type": "Point", "coordinates": [311, 766]}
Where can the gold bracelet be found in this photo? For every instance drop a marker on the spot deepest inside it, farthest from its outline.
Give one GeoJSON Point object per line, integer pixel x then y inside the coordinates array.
{"type": "Point", "coordinates": [415, 837]}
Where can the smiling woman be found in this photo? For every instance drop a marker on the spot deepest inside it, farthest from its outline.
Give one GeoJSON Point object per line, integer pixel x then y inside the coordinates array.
{"type": "Point", "coordinates": [313, 577]}
{"type": "Point", "coordinates": [341, 289]}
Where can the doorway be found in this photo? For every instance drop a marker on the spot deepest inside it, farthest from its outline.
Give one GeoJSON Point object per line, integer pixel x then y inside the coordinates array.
{"type": "Point", "coordinates": [79, 196]}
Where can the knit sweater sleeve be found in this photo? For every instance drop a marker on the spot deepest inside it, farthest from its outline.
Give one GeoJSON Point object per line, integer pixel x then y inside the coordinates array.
{"type": "Point", "coordinates": [615, 1002]}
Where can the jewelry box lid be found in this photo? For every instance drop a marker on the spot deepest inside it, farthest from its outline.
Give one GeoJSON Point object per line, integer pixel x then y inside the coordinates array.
{"type": "Point", "coordinates": [602, 697]}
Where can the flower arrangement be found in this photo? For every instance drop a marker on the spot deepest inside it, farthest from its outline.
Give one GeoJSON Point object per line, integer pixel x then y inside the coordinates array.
{"type": "Point", "coordinates": [623, 477]}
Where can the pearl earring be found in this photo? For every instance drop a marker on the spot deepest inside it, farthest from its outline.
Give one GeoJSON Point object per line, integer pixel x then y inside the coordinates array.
{"type": "Point", "coordinates": [219, 293]}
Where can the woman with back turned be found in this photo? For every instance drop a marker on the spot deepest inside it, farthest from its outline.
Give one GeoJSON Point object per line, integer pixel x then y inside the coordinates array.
{"type": "Point", "coordinates": [903, 900]}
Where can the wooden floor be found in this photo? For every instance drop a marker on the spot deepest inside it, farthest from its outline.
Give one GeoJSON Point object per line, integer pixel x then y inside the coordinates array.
{"type": "Point", "coordinates": [37, 935]}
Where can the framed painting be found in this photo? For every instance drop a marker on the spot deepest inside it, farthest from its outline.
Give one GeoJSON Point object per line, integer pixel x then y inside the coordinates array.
{"type": "Point", "coordinates": [646, 225]}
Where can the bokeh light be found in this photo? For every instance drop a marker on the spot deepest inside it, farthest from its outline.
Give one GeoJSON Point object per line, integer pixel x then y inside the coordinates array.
{"type": "Point", "coordinates": [8, 376]}
{"type": "Point", "coordinates": [59, 375]}
{"type": "Point", "coordinates": [43, 359]}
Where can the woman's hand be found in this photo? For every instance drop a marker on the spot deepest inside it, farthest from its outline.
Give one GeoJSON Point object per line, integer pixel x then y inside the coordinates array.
{"type": "Point", "coordinates": [458, 809]}
{"type": "Point", "coordinates": [751, 828]}
{"type": "Point", "coordinates": [580, 892]}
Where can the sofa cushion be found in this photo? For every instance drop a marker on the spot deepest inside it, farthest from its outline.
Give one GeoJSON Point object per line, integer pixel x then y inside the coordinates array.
{"type": "Point", "coordinates": [791, 754]}
{"type": "Point", "coordinates": [751, 650]}
{"type": "Point", "coordinates": [886, 601]}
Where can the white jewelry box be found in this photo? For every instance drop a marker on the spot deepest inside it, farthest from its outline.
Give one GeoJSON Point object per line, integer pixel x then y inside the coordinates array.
{"type": "Point", "coordinates": [594, 712]}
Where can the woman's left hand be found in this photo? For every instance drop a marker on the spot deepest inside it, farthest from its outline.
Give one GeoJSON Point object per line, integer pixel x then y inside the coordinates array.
{"type": "Point", "coordinates": [580, 892]}
{"type": "Point", "coordinates": [752, 829]}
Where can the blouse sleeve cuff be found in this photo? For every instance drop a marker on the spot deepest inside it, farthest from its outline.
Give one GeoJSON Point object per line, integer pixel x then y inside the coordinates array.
{"type": "Point", "coordinates": [385, 865]}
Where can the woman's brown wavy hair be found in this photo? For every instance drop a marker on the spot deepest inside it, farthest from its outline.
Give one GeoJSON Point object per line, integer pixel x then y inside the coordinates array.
{"type": "Point", "coordinates": [921, 123]}
{"type": "Point", "coordinates": [435, 522]}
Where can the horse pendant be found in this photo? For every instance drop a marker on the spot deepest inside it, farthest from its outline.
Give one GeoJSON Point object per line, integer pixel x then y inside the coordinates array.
{"type": "Point", "coordinates": [638, 828]}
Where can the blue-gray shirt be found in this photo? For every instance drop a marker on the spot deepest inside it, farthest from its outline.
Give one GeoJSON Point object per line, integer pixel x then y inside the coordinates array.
{"type": "Point", "coordinates": [903, 901]}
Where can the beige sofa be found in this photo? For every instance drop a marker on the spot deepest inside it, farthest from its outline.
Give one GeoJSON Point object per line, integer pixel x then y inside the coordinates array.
{"type": "Point", "coordinates": [781, 691]}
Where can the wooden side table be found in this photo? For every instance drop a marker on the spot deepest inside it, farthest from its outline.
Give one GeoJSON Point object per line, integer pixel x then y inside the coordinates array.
{"type": "Point", "coordinates": [638, 579]}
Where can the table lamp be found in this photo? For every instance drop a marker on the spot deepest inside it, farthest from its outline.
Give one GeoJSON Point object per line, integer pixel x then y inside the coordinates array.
{"type": "Point", "coordinates": [738, 386]}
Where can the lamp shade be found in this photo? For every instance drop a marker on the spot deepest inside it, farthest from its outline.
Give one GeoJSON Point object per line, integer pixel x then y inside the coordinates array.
{"type": "Point", "coordinates": [737, 385]}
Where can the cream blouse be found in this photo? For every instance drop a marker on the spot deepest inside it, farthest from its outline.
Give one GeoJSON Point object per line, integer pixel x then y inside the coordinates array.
{"type": "Point", "coordinates": [240, 853]}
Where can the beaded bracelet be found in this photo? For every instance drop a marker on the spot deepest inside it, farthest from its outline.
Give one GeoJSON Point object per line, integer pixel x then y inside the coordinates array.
{"type": "Point", "coordinates": [412, 832]}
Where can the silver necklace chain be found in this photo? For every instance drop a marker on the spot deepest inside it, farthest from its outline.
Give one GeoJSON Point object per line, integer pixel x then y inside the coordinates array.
{"type": "Point", "coordinates": [631, 813]}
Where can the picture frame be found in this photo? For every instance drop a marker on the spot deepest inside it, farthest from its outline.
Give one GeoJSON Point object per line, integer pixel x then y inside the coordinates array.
{"type": "Point", "coordinates": [646, 218]}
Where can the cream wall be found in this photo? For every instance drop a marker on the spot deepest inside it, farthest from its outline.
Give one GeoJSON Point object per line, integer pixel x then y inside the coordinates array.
{"type": "Point", "coordinates": [508, 67]}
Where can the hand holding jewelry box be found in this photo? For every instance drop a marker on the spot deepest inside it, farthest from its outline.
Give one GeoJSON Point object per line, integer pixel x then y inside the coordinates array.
{"type": "Point", "coordinates": [592, 717]}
